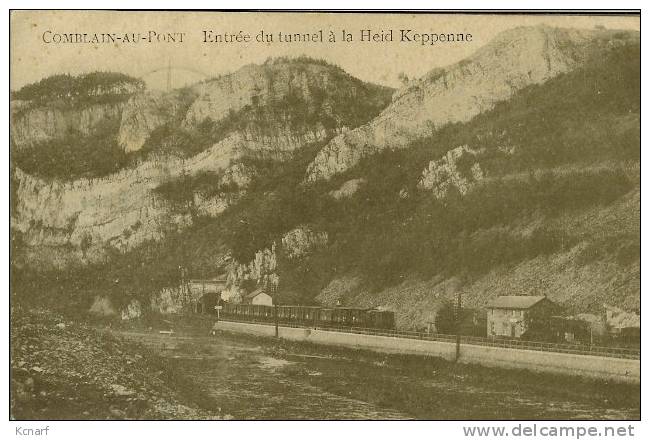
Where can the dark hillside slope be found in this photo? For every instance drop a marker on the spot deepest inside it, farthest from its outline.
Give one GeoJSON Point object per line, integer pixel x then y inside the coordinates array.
{"type": "Point", "coordinates": [575, 142]}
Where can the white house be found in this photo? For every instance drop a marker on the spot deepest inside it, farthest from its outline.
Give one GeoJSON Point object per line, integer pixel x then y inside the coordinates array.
{"type": "Point", "coordinates": [258, 297]}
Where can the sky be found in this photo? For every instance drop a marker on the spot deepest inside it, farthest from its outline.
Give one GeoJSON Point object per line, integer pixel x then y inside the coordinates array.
{"type": "Point", "coordinates": [192, 60]}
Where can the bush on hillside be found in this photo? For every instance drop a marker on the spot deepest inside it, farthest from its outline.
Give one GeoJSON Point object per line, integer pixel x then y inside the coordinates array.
{"type": "Point", "coordinates": [75, 155]}
{"type": "Point", "coordinates": [90, 88]}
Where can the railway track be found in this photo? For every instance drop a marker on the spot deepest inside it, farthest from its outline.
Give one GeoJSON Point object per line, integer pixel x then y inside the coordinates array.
{"type": "Point", "coordinates": [615, 352]}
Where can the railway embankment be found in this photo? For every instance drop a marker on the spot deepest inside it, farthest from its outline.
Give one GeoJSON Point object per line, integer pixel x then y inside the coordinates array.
{"type": "Point", "coordinates": [597, 367]}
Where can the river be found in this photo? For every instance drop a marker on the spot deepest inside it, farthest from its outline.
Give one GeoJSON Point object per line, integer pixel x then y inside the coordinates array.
{"type": "Point", "coordinates": [256, 378]}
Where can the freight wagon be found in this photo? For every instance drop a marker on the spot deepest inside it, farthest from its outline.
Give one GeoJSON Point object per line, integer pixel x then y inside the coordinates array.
{"type": "Point", "coordinates": [311, 316]}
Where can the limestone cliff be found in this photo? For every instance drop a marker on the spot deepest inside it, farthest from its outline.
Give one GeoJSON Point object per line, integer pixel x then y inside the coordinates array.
{"type": "Point", "coordinates": [120, 210]}
{"type": "Point", "coordinates": [513, 60]}
{"type": "Point", "coordinates": [60, 104]}
{"type": "Point", "coordinates": [32, 125]}
{"type": "Point", "coordinates": [319, 92]}
{"type": "Point", "coordinates": [262, 270]}
{"type": "Point", "coordinates": [265, 111]}
{"type": "Point", "coordinates": [143, 113]}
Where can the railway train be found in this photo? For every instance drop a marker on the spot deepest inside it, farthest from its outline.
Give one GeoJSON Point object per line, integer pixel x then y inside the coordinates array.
{"type": "Point", "coordinates": [311, 316]}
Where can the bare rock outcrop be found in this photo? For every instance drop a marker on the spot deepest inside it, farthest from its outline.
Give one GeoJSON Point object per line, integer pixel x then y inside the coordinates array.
{"type": "Point", "coordinates": [300, 241]}
{"type": "Point", "coordinates": [142, 114]}
{"type": "Point", "coordinates": [262, 269]}
{"type": "Point", "coordinates": [56, 106]}
{"type": "Point", "coordinates": [444, 174]}
{"type": "Point", "coordinates": [31, 125]}
{"type": "Point", "coordinates": [347, 189]}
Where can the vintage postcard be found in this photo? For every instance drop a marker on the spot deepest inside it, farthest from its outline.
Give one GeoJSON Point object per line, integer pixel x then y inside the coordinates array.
{"type": "Point", "coordinates": [325, 216]}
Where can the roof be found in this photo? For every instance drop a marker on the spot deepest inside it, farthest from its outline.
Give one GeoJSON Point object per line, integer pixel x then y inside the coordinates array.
{"type": "Point", "coordinates": [362, 309]}
{"type": "Point", "coordinates": [255, 293]}
{"type": "Point", "coordinates": [514, 302]}
{"type": "Point", "coordinates": [219, 280]}
{"type": "Point", "coordinates": [589, 317]}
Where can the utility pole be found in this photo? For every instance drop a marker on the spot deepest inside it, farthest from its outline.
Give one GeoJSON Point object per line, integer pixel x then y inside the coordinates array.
{"type": "Point", "coordinates": [203, 295]}
{"type": "Point", "coordinates": [184, 295]}
{"type": "Point", "coordinates": [181, 270]}
{"type": "Point", "coordinates": [276, 300]}
{"type": "Point", "coordinates": [458, 322]}
{"type": "Point", "coordinates": [275, 315]}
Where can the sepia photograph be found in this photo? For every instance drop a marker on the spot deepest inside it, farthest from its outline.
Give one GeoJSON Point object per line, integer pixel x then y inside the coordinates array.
{"type": "Point", "coordinates": [324, 215]}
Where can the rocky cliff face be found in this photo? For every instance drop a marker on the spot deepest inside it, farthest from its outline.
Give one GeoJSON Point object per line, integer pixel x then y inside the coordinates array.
{"type": "Point", "coordinates": [262, 270]}
{"type": "Point", "coordinates": [118, 211]}
{"type": "Point", "coordinates": [55, 106]}
{"type": "Point", "coordinates": [274, 86]}
{"type": "Point", "coordinates": [513, 60]}
{"type": "Point", "coordinates": [121, 210]}
{"type": "Point", "coordinates": [227, 93]}
{"type": "Point", "coordinates": [142, 114]}
{"type": "Point", "coordinates": [86, 216]}
{"type": "Point", "coordinates": [31, 125]}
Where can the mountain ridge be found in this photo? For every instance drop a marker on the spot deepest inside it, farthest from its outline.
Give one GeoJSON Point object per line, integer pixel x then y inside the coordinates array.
{"type": "Point", "coordinates": [512, 60]}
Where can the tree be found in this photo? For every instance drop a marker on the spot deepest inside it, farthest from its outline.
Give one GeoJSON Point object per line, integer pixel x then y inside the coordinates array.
{"type": "Point", "coordinates": [86, 242]}
{"type": "Point", "coordinates": [445, 319]}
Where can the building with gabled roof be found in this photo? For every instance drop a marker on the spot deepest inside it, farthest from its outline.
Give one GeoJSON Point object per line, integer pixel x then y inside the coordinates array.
{"type": "Point", "coordinates": [258, 297]}
{"type": "Point", "coordinates": [518, 315]}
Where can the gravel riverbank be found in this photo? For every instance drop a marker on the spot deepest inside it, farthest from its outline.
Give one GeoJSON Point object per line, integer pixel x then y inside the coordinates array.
{"type": "Point", "coordinates": [68, 370]}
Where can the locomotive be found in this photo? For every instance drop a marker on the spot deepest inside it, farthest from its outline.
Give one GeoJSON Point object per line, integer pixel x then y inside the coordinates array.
{"type": "Point", "coordinates": [311, 316]}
